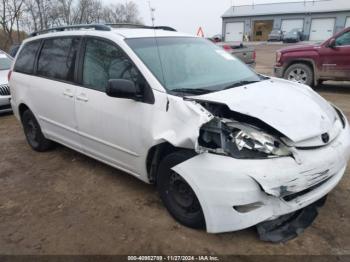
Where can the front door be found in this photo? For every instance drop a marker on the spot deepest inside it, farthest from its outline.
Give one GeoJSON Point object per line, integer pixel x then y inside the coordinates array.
{"type": "Point", "coordinates": [335, 61]}
{"type": "Point", "coordinates": [108, 125]}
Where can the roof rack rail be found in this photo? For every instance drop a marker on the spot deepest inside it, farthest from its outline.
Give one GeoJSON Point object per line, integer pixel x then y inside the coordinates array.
{"type": "Point", "coordinates": [100, 27]}
{"type": "Point", "coordinates": [130, 25]}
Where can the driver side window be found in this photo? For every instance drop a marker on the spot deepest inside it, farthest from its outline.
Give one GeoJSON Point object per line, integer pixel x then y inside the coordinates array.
{"type": "Point", "coordinates": [343, 40]}
{"type": "Point", "coordinates": [104, 61]}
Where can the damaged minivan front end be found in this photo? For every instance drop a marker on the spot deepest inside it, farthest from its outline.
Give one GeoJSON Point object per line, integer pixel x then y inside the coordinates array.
{"type": "Point", "coordinates": [260, 147]}
{"type": "Point", "coordinates": [247, 171]}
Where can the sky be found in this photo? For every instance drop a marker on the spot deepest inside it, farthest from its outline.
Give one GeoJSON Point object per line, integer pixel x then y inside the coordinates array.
{"type": "Point", "coordinates": [188, 15]}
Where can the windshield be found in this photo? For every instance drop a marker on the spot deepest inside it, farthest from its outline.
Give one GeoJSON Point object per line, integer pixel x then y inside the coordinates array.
{"type": "Point", "coordinates": [189, 63]}
{"type": "Point", "coordinates": [5, 62]}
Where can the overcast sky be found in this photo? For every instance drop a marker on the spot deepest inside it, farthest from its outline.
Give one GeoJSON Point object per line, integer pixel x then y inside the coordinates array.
{"type": "Point", "coordinates": [188, 15]}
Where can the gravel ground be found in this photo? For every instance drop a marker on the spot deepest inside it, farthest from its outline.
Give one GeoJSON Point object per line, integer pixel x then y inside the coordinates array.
{"type": "Point", "coordinates": [62, 202]}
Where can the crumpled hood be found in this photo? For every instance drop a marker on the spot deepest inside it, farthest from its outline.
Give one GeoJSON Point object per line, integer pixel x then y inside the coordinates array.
{"type": "Point", "coordinates": [3, 77]}
{"type": "Point", "coordinates": [293, 109]}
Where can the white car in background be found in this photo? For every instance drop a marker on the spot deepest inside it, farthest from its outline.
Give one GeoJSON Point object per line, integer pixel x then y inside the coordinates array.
{"type": "Point", "coordinates": [226, 147]}
{"type": "Point", "coordinates": [5, 95]}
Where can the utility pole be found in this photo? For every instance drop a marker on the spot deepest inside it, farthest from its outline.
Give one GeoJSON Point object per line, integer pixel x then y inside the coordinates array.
{"type": "Point", "coordinates": [152, 10]}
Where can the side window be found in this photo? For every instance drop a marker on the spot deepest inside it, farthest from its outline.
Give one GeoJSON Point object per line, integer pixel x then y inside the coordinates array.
{"type": "Point", "coordinates": [57, 58]}
{"type": "Point", "coordinates": [26, 58]}
{"type": "Point", "coordinates": [344, 39]}
{"type": "Point", "coordinates": [104, 61]}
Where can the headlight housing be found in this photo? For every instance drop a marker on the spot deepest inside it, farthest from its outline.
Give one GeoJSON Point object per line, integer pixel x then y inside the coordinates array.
{"type": "Point", "coordinates": [241, 141]}
{"type": "Point", "coordinates": [256, 143]}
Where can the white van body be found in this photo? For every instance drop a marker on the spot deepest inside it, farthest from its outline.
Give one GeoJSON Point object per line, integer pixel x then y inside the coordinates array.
{"type": "Point", "coordinates": [125, 133]}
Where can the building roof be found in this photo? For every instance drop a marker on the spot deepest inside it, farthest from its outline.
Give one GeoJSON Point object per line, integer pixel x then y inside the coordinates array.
{"type": "Point", "coordinates": [317, 6]}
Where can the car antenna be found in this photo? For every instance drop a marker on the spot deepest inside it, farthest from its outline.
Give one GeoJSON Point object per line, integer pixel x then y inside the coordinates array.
{"type": "Point", "coordinates": [152, 10]}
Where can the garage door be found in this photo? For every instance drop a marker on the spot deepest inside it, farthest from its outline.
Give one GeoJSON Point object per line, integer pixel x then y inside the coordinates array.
{"type": "Point", "coordinates": [290, 24]}
{"type": "Point", "coordinates": [234, 31]}
{"type": "Point", "coordinates": [321, 29]}
{"type": "Point", "coordinates": [347, 22]}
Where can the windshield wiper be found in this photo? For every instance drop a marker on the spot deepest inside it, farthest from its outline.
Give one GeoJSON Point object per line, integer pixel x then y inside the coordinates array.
{"type": "Point", "coordinates": [240, 83]}
{"type": "Point", "coordinates": [195, 91]}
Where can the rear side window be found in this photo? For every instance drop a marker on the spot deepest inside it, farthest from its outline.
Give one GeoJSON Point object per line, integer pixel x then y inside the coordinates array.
{"type": "Point", "coordinates": [26, 58]}
{"type": "Point", "coordinates": [57, 58]}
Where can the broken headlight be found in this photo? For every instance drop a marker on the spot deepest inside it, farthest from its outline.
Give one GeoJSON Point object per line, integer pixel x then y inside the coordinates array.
{"type": "Point", "coordinates": [255, 142]}
{"type": "Point", "coordinates": [240, 141]}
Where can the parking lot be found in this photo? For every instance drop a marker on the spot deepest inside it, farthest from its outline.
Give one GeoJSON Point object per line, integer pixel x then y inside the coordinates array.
{"type": "Point", "coordinates": [62, 202]}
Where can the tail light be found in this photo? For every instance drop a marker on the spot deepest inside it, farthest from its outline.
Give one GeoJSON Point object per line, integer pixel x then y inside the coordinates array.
{"type": "Point", "coordinates": [254, 55]}
{"type": "Point", "coordinates": [9, 75]}
{"type": "Point", "coordinates": [227, 48]}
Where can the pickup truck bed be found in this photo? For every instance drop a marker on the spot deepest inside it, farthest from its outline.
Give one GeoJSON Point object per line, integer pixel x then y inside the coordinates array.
{"type": "Point", "coordinates": [244, 53]}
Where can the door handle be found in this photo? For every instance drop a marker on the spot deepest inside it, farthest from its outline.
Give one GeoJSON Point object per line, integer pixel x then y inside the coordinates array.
{"type": "Point", "coordinates": [82, 98]}
{"type": "Point", "coordinates": [67, 93]}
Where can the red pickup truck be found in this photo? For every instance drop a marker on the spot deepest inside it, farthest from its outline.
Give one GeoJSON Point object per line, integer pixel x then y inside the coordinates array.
{"type": "Point", "coordinates": [313, 64]}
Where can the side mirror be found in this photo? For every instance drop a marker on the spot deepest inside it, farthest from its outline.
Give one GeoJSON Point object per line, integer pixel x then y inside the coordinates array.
{"type": "Point", "coordinates": [331, 43]}
{"type": "Point", "coordinates": [123, 88]}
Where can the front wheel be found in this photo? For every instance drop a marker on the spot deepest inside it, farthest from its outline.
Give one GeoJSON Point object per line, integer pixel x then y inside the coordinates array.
{"type": "Point", "coordinates": [300, 73]}
{"type": "Point", "coordinates": [176, 194]}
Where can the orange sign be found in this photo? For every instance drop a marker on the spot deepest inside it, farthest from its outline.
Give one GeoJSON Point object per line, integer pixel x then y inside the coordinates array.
{"type": "Point", "coordinates": [200, 32]}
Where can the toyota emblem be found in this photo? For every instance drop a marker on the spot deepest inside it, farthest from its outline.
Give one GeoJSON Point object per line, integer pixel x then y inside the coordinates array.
{"type": "Point", "coordinates": [325, 138]}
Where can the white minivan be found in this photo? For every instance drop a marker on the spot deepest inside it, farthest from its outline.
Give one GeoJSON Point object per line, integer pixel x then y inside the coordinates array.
{"type": "Point", "coordinates": [226, 147]}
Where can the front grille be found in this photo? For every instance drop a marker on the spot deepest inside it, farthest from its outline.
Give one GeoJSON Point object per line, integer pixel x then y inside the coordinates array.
{"type": "Point", "coordinates": [4, 90]}
{"type": "Point", "coordinates": [5, 107]}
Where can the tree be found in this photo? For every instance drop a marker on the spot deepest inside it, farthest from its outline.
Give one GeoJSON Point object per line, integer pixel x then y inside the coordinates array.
{"type": "Point", "coordinates": [36, 15]}
{"type": "Point", "coordinates": [121, 13]}
{"type": "Point", "coordinates": [10, 15]}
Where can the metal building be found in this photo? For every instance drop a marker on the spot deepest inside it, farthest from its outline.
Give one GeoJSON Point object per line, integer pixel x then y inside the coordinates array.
{"type": "Point", "coordinates": [318, 20]}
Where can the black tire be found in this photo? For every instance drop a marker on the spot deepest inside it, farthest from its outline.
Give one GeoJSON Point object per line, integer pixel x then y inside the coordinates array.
{"type": "Point", "coordinates": [32, 131]}
{"type": "Point", "coordinates": [176, 194]}
{"type": "Point", "coordinates": [300, 73]}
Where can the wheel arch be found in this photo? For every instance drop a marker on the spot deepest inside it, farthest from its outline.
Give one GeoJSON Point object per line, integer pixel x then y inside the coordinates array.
{"type": "Point", "coordinates": [22, 108]}
{"type": "Point", "coordinates": [308, 62]}
{"type": "Point", "coordinates": [155, 155]}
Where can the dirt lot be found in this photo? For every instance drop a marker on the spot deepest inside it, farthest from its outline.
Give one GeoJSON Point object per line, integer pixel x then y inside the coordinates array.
{"type": "Point", "coordinates": [62, 202]}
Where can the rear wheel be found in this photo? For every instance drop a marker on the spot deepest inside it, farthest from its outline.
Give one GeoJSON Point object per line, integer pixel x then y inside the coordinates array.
{"type": "Point", "coordinates": [300, 73]}
{"type": "Point", "coordinates": [32, 131]}
{"type": "Point", "coordinates": [176, 194]}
